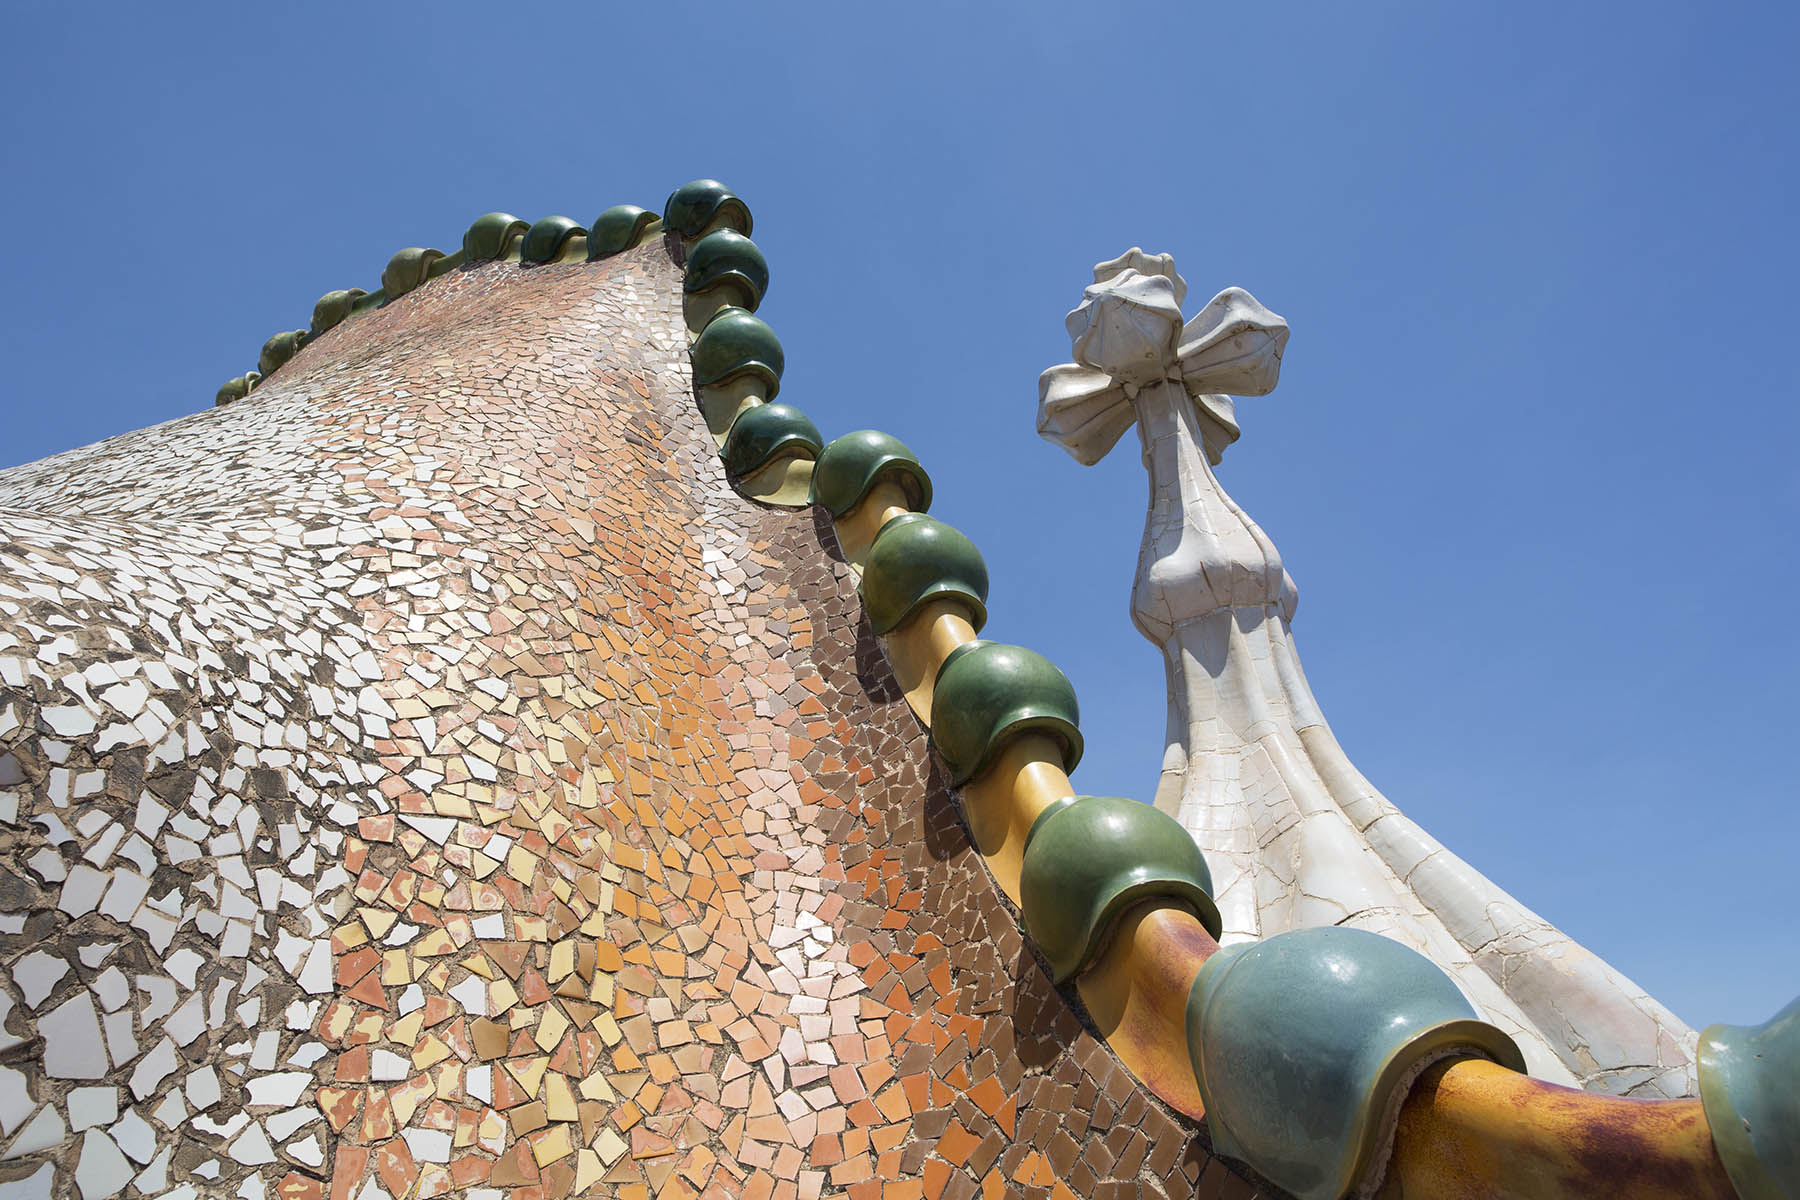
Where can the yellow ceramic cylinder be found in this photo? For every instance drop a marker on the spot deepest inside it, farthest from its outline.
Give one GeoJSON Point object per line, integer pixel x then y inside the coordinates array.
{"type": "Point", "coordinates": [1137, 994]}
{"type": "Point", "coordinates": [1471, 1128]}
{"type": "Point", "coordinates": [918, 648]}
{"type": "Point", "coordinates": [1001, 803]}
{"type": "Point", "coordinates": [857, 528]}
{"type": "Point", "coordinates": [721, 405]}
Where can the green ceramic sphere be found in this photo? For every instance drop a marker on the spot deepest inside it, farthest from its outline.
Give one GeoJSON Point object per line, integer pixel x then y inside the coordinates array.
{"type": "Point", "coordinates": [1089, 860]}
{"type": "Point", "coordinates": [916, 559]}
{"type": "Point", "coordinates": [278, 349]}
{"type": "Point", "coordinates": [856, 462]}
{"type": "Point", "coordinates": [407, 270]}
{"type": "Point", "coordinates": [735, 342]}
{"type": "Point", "coordinates": [490, 235]}
{"type": "Point", "coordinates": [723, 256]}
{"type": "Point", "coordinates": [236, 389]}
{"type": "Point", "coordinates": [333, 307]}
{"type": "Point", "coordinates": [987, 694]}
{"type": "Point", "coordinates": [1750, 1089]}
{"type": "Point", "coordinates": [767, 432]}
{"type": "Point", "coordinates": [693, 206]}
{"type": "Point", "coordinates": [617, 229]}
{"type": "Point", "coordinates": [1299, 1042]}
{"type": "Point", "coordinates": [547, 236]}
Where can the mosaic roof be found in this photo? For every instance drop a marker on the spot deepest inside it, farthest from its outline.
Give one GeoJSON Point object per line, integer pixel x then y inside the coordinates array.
{"type": "Point", "coordinates": [428, 776]}
{"type": "Point", "coordinates": [501, 751]}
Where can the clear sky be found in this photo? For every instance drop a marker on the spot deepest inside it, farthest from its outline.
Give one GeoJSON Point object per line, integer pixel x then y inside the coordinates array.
{"type": "Point", "coordinates": [1532, 459]}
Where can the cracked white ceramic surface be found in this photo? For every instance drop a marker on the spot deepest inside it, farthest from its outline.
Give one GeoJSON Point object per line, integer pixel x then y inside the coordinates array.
{"type": "Point", "coordinates": [1294, 834]}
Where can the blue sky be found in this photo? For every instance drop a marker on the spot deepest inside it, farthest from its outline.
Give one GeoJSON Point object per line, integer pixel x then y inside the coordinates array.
{"type": "Point", "coordinates": [1531, 460]}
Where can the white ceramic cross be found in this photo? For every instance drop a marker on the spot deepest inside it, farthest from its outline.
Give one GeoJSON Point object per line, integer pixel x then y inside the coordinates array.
{"type": "Point", "coordinates": [1294, 834]}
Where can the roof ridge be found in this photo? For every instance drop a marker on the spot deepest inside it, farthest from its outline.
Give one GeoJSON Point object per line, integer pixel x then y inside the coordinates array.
{"type": "Point", "coordinates": [1115, 895]}
{"type": "Point", "coordinates": [491, 237]}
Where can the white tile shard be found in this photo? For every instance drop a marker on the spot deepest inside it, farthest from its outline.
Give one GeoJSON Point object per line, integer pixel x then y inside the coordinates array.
{"type": "Point", "coordinates": [102, 1171]}
{"type": "Point", "coordinates": [35, 1186]}
{"type": "Point", "coordinates": [72, 1045]}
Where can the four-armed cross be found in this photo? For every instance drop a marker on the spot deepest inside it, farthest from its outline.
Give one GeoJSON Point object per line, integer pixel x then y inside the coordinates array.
{"type": "Point", "coordinates": [1293, 833]}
